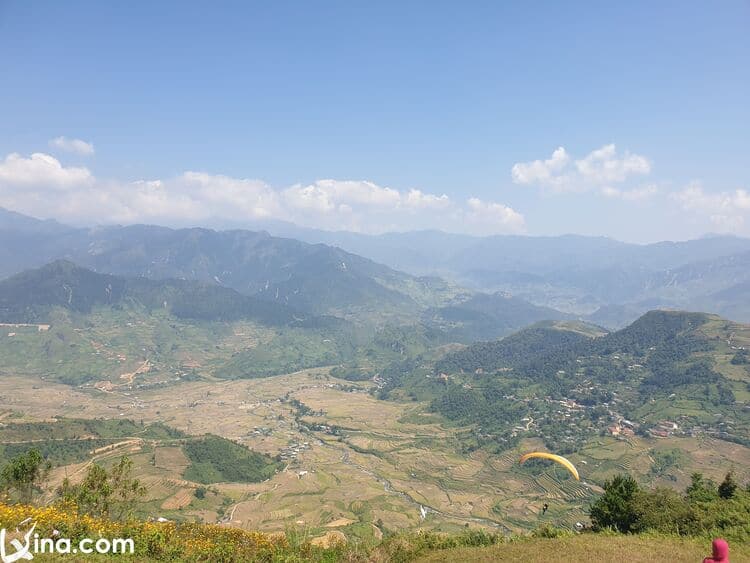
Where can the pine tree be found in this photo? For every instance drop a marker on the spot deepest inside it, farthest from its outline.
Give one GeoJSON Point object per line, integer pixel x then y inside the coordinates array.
{"type": "Point", "coordinates": [728, 487]}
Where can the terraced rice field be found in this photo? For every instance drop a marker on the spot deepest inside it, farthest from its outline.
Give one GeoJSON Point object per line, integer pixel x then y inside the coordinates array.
{"type": "Point", "coordinates": [180, 499]}
{"type": "Point", "coordinates": [171, 458]}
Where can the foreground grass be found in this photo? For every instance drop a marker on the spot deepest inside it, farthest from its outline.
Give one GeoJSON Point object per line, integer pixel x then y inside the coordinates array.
{"type": "Point", "coordinates": [171, 542]}
{"type": "Point", "coordinates": [589, 547]}
{"type": "Point", "coordinates": [599, 548]}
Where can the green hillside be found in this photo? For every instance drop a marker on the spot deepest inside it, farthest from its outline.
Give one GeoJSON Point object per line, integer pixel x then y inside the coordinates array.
{"type": "Point", "coordinates": [214, 459]}
{"type": "Point", "coordinates": [667, 365]}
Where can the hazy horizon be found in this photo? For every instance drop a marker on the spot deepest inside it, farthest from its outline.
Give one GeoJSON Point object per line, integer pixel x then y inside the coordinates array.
{"type": "Point", "coordinates": [271, 225]}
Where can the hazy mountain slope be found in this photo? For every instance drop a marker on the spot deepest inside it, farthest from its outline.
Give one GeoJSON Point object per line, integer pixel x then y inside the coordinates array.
{"type": "Point", "coordinates": [31, 296]}
{"type": "Point", "coordinates": [611, 282]}
{"type": "Point", "coordinates": [580, 274]}
{"type": "Point", "coordinates": [732, 302]}
{"type": "Point", "coordinates": [311, 277]}
{"type": "Point", "coordinates": [702, 277]}
{"type": "Point", "coordinates": [26, 242]}
{"type": "Point", "coordinates": [484, 317]}
{"type": "Point", "coordinates": [316, 278]}
{"type": "Point", "coordinates": [12, 221]}
{"type": "Point", "coordinates": [577, 274]}
{"type": "Point", "coordinates": [432, 251]}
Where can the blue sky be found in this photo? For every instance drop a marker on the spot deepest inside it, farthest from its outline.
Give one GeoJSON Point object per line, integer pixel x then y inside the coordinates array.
{"type": "Point", "coordinates": [378, 116]}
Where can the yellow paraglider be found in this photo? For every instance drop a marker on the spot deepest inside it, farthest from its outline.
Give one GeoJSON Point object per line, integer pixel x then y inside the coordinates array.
{"type": "Point", "coordinates": [558, 458]}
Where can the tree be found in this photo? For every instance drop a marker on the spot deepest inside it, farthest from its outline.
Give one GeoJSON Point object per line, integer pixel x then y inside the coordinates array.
{"type": "Point", "coordinates": [701, 489]}
{"type": "Point", "coordinates": [728, 487]}
{"type": "Point", "coordinates": [615, 508]}
{"type": "Point", "coordinates": [102, 493]}
{"type": "Point", "coordinates": [741, 358]}
{"type": "Point", "coordinates": [24, 475]}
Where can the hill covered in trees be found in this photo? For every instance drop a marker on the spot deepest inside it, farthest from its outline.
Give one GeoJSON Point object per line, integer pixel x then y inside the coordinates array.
{"type": "Point", "coordinates": [564, 386]}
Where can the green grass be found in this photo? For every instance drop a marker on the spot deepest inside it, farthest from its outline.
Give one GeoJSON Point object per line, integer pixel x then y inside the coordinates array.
{"type": "Point", "coordinates": [587, 547]}
{"type": "Point", "coordinates": [289, 351]}
{"type": "Point", "coordinates": [72, 440]}
{"type": "Point", "coordinates": [55, 451]}
{"type": "Point", "coordinates": [107, 342]}
{"type": "Point", "coordinates": [80, 428]}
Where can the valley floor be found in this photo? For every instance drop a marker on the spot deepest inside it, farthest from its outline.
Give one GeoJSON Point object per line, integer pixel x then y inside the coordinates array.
{"type": "Point", "coordinates": [352, 464]}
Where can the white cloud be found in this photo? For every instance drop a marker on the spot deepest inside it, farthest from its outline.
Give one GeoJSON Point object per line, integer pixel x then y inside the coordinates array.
{"type": "Point", "coordinates": [331, 195]}
{"type": "Point", "coordinates": [41, 186]}
{"type": "Point", "coordinates": [486, 217]}
{"type": "Point", "coordinates": [728, 223]}
{"type": "Point", "coordinates": [695, 198]}
{"type": "Point", "coordinates": [542, 171]}
{"type": "Point", "coordinates": [40, 168]}
{"type": "Point", "coordinates": [72, 145]}
{"type": "Point", "coordinates": [368, 207]}
{"type": "Point", "coordinates": [725, 210]}
{"type": "Point", "coordinates": [224, 196]}
{"type": "Point", "coordinates": [599, 168]}
{"type": "Point", "coordinates": [636, 194]}
{"type": "Point", "coordinates": [604, 166]}
{"type": "Point", "coordinates": [417, 199]}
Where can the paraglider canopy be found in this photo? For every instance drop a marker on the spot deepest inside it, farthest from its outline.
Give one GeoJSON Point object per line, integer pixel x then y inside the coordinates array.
{"type": "Point", "coordinates": [558, 458]}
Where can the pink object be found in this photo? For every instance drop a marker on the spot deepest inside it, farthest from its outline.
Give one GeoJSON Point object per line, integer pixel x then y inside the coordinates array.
{"type": "Point", "coordinates": [720, 552]}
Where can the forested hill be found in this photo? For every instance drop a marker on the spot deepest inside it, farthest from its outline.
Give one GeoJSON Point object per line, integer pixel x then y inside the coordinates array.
{"type": "Point", "coordinates": [512, 351]}
{"type": "Point", "coordinates": [31, 295]}
{"type": "Point", "coordinates": [555, 345]}
{"type": "Point", "coordinates": [688, 367]}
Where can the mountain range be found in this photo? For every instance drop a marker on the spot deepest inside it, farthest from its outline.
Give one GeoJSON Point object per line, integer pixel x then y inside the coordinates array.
{"type": "Point", "coordinates": [312, 277]}
{"type": "Point", "coordinates": [31, 296]}
{"type": "Point", "coordinates": [427, 274]}
{"type": "Point", "coordinates": [613, 282]}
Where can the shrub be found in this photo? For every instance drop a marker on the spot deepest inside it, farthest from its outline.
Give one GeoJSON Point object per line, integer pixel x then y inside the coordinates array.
{"type": "Point", "coordinates": [549, 531]}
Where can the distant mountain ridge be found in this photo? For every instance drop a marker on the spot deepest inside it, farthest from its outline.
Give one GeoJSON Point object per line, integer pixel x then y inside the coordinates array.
{"type": "Point", "coordinates": [29, 297]}
{"type": "Point", "coordinates": [595, 278]}
{"type": "Point", "coordinates": [312, 277]}
{"type": "Point", "coordinates": [10, 220]}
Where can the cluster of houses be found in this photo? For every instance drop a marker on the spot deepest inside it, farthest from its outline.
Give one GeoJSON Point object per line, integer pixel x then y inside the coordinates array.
{"type": "Point", "coordinates": [292, 451]}
{"type": "Point", "coordinates": [262, 431]}
{"type": "Point", "coordinates": [622, 427]}
{"type": "Point", "coordinates": [664, 429]}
